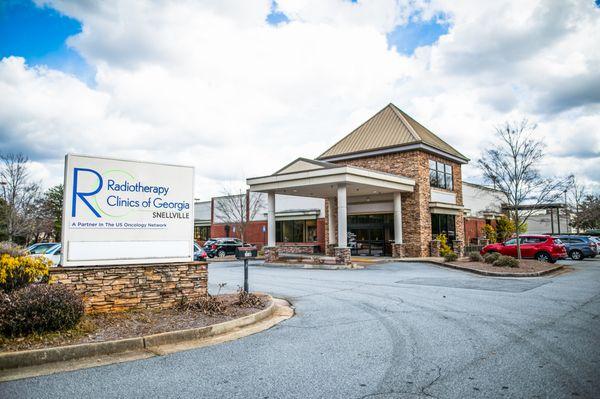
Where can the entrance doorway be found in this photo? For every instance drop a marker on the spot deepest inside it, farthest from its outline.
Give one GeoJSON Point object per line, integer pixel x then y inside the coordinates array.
{"type": "Point", "coordinates": [371, 235]}
{"type": "Point", "coordinates": [443, 224]}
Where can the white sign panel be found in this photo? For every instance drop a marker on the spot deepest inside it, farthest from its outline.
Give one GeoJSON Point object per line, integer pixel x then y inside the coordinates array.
{"type": "Point", "coordinates": [126, 212]}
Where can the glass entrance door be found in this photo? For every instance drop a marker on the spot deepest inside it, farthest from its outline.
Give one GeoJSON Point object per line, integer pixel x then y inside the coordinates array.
{"type": "Point", "coordinates": [371, 235]}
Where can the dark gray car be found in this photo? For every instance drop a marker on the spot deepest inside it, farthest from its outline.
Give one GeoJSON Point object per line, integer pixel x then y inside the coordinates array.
{"type": "Point", "coordinates": [579, 247]}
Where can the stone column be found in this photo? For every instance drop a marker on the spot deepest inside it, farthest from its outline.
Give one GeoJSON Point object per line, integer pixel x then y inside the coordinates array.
{"type": "Point", "coordinates": [271, 219]}
{"type": "Point", "coordinates": [342, 216]}
{"type": "Point", "coordinates": [435, 247]}
{"type": "Point", "coordinates": [271, 254]}
{"type": "Point", "coordinates": [458, 247]}
{"type": "Point", "coordinates": [342, 256]}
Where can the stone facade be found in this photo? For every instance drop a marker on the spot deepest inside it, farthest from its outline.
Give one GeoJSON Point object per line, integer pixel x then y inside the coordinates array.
{"type": "Point", "coordinates": [299, 248]}
{"type": "Point", "coordinates": [271, 254]}
{"type": "Point", "coordinates": [119, 288]}
{"type": "Point", "coordinates": [398, 251]}
{"type": "Point", "coordinates": [435, 248]}
{"type": "Point", "coordinates": [416, 217]}
{"type": "Point", "coordinates": [458, 247]}
{"type": "Point", "coordinates": [342, 256]}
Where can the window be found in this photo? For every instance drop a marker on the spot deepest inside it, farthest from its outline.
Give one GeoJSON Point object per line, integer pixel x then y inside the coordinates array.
{"type": "Point", "coordinates": [443, 224]}
{"type": "Point", "coordinates": [532, 240]}
{"type": "Point", "coordinates": [201, 233]}
{"type": "Point", "coordinates": [296, 231]}
{"type": "Point", "coordinates": [440, 175]}
{"type": "Point", "coordinates": [512, 241]}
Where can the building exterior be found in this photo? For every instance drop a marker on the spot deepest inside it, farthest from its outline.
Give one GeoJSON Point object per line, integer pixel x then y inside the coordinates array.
{"type": "Point", "coordinates": [482, 206]}
{"type": "Point", "coordinates": [390, 187]}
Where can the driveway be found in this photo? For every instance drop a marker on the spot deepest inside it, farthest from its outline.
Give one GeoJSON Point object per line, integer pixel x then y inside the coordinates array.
{"type": "Point", "coordinates": [402, 330]}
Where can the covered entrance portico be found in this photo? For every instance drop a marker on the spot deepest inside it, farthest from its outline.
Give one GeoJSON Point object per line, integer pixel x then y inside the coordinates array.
{"type": "Point", "coordinates": [341, 186]}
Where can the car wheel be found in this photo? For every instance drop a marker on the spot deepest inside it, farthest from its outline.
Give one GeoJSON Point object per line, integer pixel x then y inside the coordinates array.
{"type": "Point", "coordinates": [543, 257]}
{"type": "Point", "coordinates": [221, 254]}
{"type": "Point", "coordinates": [576, 254]}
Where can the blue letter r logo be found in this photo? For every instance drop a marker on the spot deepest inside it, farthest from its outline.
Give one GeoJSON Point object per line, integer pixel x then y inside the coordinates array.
{"type": "Point", "coordinates": [82, 195]}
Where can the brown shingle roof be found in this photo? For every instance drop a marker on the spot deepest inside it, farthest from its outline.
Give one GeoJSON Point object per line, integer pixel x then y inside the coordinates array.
{"type": "Point", "coordinates": [389, 128]}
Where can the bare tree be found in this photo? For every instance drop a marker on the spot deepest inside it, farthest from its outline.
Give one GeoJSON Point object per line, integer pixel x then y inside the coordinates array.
{"type": "Point", "coordinates": [511, 164]}
{"type": "Point", "coordinates": [19, 194]}
{"type": "Point", "coordinates": [578, 193]}
{"type": "Point", "coordinates": [238, 208]}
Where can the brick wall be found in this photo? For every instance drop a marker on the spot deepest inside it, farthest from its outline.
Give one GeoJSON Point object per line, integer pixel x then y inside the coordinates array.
{"type": "Point", "coordinates": [416, 218]}
{"type": "Point", "coordinates": [118, 288]}
{"type": "Point", "coordinates": [255, 236]}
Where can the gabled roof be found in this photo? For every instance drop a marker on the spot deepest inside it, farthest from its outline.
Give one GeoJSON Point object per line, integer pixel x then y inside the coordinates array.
{"type": "Point", "coordinates": [390, 129]}
{"type": "Point", "coordinates": [303, 165]}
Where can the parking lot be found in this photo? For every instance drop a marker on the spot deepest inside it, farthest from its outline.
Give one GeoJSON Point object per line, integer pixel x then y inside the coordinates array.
{"type": "Point", "coordinates": [389, 331]}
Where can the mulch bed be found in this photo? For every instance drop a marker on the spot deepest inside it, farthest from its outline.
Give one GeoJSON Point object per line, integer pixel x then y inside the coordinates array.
{"type": "Point", "coordinates": [111, 326]}
{"type": "Point", "coordinates": [525, 266]}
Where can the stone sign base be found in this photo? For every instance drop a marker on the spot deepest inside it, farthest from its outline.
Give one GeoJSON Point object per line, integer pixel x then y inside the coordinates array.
{"type": "Point", "coordinates": [119, 288]}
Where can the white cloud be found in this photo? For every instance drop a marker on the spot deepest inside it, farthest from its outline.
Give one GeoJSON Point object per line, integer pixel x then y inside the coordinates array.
{"type": "Point", "coordinates": [213, 85]}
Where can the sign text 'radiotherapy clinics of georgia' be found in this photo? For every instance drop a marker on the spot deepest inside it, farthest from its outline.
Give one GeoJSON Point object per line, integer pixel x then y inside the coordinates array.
{"type": "Point", "coordinates": [126, 212]}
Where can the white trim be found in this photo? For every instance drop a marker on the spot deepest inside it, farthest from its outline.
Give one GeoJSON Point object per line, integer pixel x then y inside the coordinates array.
{"type": "Point", "coordinates": [404, 148]}
{"type": "Point", "coordinates": [340, 175]}
{"type": "Point", "coordinates": [445, 209]}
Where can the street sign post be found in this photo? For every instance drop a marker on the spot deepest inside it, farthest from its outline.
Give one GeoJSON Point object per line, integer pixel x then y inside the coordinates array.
{"type": "Point", "coordinates": [246, 253]}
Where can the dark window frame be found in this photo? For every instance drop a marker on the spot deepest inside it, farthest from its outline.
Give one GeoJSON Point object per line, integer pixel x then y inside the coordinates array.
{"type": "Point", "coordinates": [296, 230]}
{"type": "Point", "coordinates": [441, 175]}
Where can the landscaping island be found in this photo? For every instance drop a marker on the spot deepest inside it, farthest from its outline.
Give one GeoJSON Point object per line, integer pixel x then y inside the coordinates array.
{"type": "Point", "coordinates": [526, 268]}
{"type": "Point", "coordinates": [101, 327]}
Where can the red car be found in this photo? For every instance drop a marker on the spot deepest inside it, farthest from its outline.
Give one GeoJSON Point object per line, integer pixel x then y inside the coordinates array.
{"type": "Point", "coordinates": [540, 247]}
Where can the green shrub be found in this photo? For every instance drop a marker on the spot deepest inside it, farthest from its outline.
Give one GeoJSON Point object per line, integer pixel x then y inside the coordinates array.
{"type": "Point", "coordinates": [491, 257]}
{"type": "Point", "coordinates": [450, 257]}
{"type": "Point", "coordinates": [506, 261]}
{"type": "Point", "coordinates": [475, 257]}
{"type": "Point", "coordinates": [39, 308]}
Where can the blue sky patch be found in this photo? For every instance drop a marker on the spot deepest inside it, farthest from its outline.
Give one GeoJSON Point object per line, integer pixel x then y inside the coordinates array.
{"type": "Point", "coordinates": [416, 33]}
{"type": "Point", "coordinates": [276, 17]}
{"type": "Point", "coordinates": [39, 35]}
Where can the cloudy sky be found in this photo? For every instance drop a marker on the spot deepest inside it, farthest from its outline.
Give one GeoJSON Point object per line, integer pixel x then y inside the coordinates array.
{"type": "Point", "coordinates": [240, 88]}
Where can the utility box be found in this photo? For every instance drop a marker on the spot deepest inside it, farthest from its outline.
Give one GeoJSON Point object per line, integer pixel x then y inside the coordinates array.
{"type": "Point", "coordinates": [246, 252]}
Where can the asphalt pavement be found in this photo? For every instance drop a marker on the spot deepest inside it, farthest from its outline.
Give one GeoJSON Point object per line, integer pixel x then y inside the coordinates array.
{"type": "Point", "coordinates": [401, 330]}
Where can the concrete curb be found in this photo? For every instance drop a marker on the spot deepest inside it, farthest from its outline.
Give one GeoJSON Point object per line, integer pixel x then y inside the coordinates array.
{"type": "Point", "coordinates": [36, 357]}
{"type": "Point", "coordinates": [311, 266]}
{"type": "Point", "coordinates": [229, 259]}
{"type": "Point", "coordinates": [487, 273]}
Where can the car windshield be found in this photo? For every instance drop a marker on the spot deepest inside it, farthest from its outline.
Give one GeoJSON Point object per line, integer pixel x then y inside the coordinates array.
{"type": "Point", "coordinates": [41, 248]}
{"type": "Point", "coordinates": [54, 250]}
{"type": "Point", "coordinates": [557, 241]}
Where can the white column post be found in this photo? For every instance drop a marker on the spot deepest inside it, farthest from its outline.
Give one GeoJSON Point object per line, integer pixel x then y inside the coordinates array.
{"type": "Point", "coordinates": [397, 218]}
{"type": "Point", "coordinates": [342, 216]}
{"type": "Point", "coordinates": [271, 219]}
{"type": "Point", "coordinates": [331, 227]}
